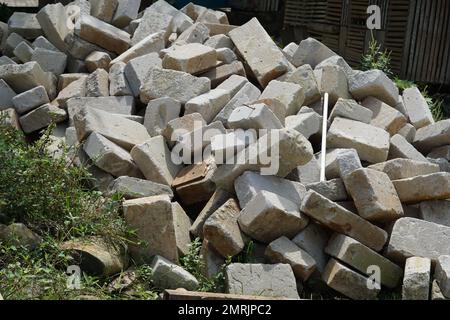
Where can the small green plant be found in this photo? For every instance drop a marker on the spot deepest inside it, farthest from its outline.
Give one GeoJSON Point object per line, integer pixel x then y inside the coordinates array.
{"type": "Point", "coordinates": [375, 58]}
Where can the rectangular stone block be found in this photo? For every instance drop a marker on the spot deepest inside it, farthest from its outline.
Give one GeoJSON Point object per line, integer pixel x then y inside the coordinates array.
{"type": "Point", "coordinates": [53, 20]}
{"type": "Point", "coordinates": [416, 281]}
{"type": "Point", "coordinates": [6, 95]}
{"type": "Point", "coordinates": [398, 169]}
{"type": "Point", "coordinates": [432, 136]}
{"type": "Point", "coordinates": [42, 117]}
{"type": "Point", "coordinates": [153, 22]}
{"type": "Point", "coordinates": [193, 58]}
{"type": "Point", "coordinates": [349, 109]}
{"type": "Point", "coordinates": [304, 76]}
{"type": "Point", "coordinates": [417, 108]}
{"type": "Point", "coordinates": [373, 83]}
{"type": "Point", "coordinates": [442, 275]}
{"type": "Point", "coordinates": [31, 99]}
{"type": "Point", "coordinates": [436, 211]}
{"type": "Point", "coordinates": [385, 116]}
{"type": "Point", "coordinates": [435, 186]}
{"type": "Point", "coordinates": [222, 72]}
{"type": "Point", "coordinates": [401, 148]}
{"type": "Point", "coordinates": [25, 24]}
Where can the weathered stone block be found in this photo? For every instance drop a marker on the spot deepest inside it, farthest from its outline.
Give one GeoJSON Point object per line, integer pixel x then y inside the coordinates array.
{"type": "Point", "coordinates": [416, 281]}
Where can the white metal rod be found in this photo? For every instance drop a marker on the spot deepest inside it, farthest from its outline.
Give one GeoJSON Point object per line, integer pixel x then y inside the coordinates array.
{"type": "Point", "coordinates": [324, 138]}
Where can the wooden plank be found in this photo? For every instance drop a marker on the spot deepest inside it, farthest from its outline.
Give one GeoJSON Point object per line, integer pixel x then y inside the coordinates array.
{"type": "Point", "coordinates": [181, 294]}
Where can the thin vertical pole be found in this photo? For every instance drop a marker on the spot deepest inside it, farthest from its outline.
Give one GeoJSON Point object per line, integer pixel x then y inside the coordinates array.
{"type": "Point", "coordinates": [324, 138]}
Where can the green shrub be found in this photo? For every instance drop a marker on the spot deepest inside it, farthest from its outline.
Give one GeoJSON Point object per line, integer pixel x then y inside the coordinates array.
{"type": "Point", "coordinates": [375, 58]}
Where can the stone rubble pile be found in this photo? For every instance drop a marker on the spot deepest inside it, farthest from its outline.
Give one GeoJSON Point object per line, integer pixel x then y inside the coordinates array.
{"type": "Point", "coordinates": [126, 88]}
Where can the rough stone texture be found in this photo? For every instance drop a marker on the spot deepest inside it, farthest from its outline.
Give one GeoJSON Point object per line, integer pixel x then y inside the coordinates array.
{"type": "Point", "coordinates": [304, 76]}
{"type": "Point", "coordinates": [268, 216]}
{"type": "Point", "coordinates": [264, 58]}
{"type": "Point", "coordinates": [153, 43]}
{"type": "Point", "coordinates": [97, 84]}
{"type": "Point", "coordinates": [103, 34]}
{"type": "Point", "coordinates": [197, 33]}
{"type": "Point", "coordinates": [154, 159]}
{"type": "Point", "coordinates": [178, 85]}
{"type": "Point", "coordinates": [374, 195]}
{"type": "Point", "coordinates": [308, 173]}
{"type": "Point", "coordinates": [25, 25]}
{"type": "Point", "coordinates": [360, 257]}
{"type": "Point", "coordinates": [103, 9]}
{"type": "Point", "coordinates": [42, 117]}
{"type": "Point", "coordinates": [336, 61]}
{"type": "Point", "coordinates": [134, 188]}
{"type": "Point", "coordinates": [349, 109]}
{"type": "Point", "coordinates": [9, 117]}
{"type": "Point", "coordinates": [408, 131]}
{"type": "Point", "coordinates": [226, 55]}
{"type": "Point", "coordinates": [371, 143]}
{"type": "Point", "coordinates": [42, 42]}
{"type": "Point", "coordinates": [435, 186]}
{"type": "Point", "coordinates": [308, 124]}
{"type": "Point", "coordinates": [222, 72]}
{"type": "Point", "coordinates": [343, 221]}
{"type": "Point", "coordinates": [373, 83]}
{"type": "Point", "coordinates": [433, 136]}
{"type": "Point", "coordinates": [291, 95]}
{"type": "Point", "coordinates": [384, 116]}
{"type": "Point", "coordinates": [347, 161]}
{"type": "Point", "coordinates": [437, 211]}
{"type": "Point", "coordinates": [208, 104]}
{"type": "Point", "coordinates": [110, 157]}
{"type": "Point", "coordinates": [127, 10]}
{"type": "Point", "coordinates": [167, 275]}
{"type": "Point", "coordinates": [159, 113]}
{"type": "Point", "coordinates": [178, 127]}
{"type": "Point", "coordinates": [138, 70]}
{"type": "Point", "coordinates": [153, 220]}
{"type": "Point", "coordinates": [256, 116]}
{"type": "Point", "coordinates": [312, 52]}
{"type": "Point", "coordinates": [180, 21]}
{"type": "Point", "coordinates": [416, 281]}
{"type": "Point", "coordinates": [332, 189]}
{"type": "Point", "coordinates": [153, 22]}
{"type": "Point", "coordinates": [332, 79]}
{"type": "Point", "coordinates": [53, 20]}
{"type": "Point", "coordinates": [97, 60]}
{"type": "Point", "coordinates": [118, 83]}
{"type": "Point", "coordinates": [267, 280]}
{"type": "Point", "coordinates": [97, 256]}
{"type": "Point", "coordinates": [24, 52]}
{"type": "Point", "coordinates": [398, 169]}
{"type": "Point", "coordinates": [219, 41]}
{"type": "Point", "coordinates": [212, 260]}
{"type": "Point", "coordinates": [348, 282]}
{"type": "Point", "coordinates": [50, 61]}
{"type": "Point", "coordinates": [192, 58]}
{"type": "Point", "coordinates": [401, 148]}
{"type": "Point", "coordinates": [417, 108]}
{"type": "Point", "coordinates": [222, 231]}
{"type": "Point", "coordinates": [283, 250]}
{"type": "Point", "coordinates": [413, 237]}
{"type": "Point", "coordinates": [6, 95]}
{"type": "Point", "coordinates": [441, 152]}
{"type": "Point", "coordinates": [442, 274]}
{"type": "Point", "coordinates": [31, 99]}
{"type": "Point", "coordinates": [126, 133]}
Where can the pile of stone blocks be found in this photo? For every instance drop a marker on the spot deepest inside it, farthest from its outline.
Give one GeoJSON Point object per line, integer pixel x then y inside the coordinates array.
{"type": "Point", "coordinates": [127, 89]}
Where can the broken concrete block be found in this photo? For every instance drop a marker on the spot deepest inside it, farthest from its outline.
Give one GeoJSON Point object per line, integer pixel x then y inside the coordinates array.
{"type": "Point", "coordinates": [384, 116]}
{"type": "Point", "coordinates": [408, 131]}
{"type": "Point", "coordinates": [312, 52]}
{"type": "Point", "coordinates": [125, 133]}
{"type": "Point", "coordinates": [373, 83]}
{"type": "Point", "coordinates": [349, 282]}
{"type": "Point", "coordinates": [290, 95]}
{"type": "Point", "coordinates": [222, 72]}
{"type": "Point", "coordinates": [127, 10]}
{"type": "Point", "coordinates": [138, 70]}
{"type": "Point", "coordinates": [374, 195]}
{"type": "Point", "coordinates": [267, 280]}
{"type": "Point", "coordinates": [432, 136]}
{"type": "Point", "coordinates": [24, 52]}
{"type": "Point", "coordinates": [247, 94]}
{"type": "Point", "coordinates": [262, 55]}
{"type": "Point", "coordinates": [336, 61]}
{"type": "Point", "coordinates": [332, 189]}
{"type": "Point", "coordinates": [416, 281]}
{"type": "Point", "coordinates": [192, 58]}
{"type": "Point", "coordinates": [31, 99]}
{"type": "Point", "coordinates": [178, 85]}
{"type": "Point", "coordinates": [154, 159]}
{"type": "Point", "coordinates": [50, 61]}
{"type": "Point", "coordinates": [332, 79]}
{"type": "Point", "coordinates": [222, 231]}
{"type": "Point", "coordinates": [24, 77]}
{"type": "Point", "coordinates": [153, 22]}
{"type": "Point", "coordinates": [360, 257]}
{"type": "Point", "coordinates": [256, 116]}
{"type": "Point", "coordinates": [134, 188]}
{"type": "Point", "coordinates": [442, 274]}
{"type": "Point", "coordinates": [110, 157]}
{"type": "Point", "coordinates": [25, 24]}
{"type": "Point", "coordinates": [268, 216]}
{"type": "Point", "coordinates": [97, 84]}
{"type": "Point", "coordinates": [54, 23]}
{"type": "Point", "coordinates": [208, 104]}
{"type": "Point", "coordinates": [197, 33]}
{"type": "Point", "coordinates": [400, 148]}
{"type": "Point", "coordinates": [437, 211]}
{"type": "Point", "coordinates": [412, 237]}
{"type": "Point", "coordinates": [6, 95]}
{"type": "Point", "coordinates": [159, 113]}
{"type": "Point", "coordinates": [97, 60]}
{"type": "Point", "coordinates": [398, 169]}
{"type": "Point", "coordinates": [304, 76]}
{"type": "Point", "coordinates": [417, 108]}
{"type": "Point", "coordinates": [42, 117]}
{"type": "Point", "coordinates": [153, 43]}
{"type": "Point", "coordinates": [350, 109]}
{"type": "Point", "coordinates": [118, 83]}
{"type": "Point", "coordinates": [168, 275]}
{"type": "Point", "coordinates": [219, 41]}
{"type": "Point", "coordinates": [343, 221]}
{"type": "Point", "coordinates": [103, 34]}
{"type": "Point", "coordinates": [153, 220]}
{"type": "Point", "coordinates": [283, 250]}
{"type": "Point", "coordinates": [307, 124]}
{"type": "Point", "coordinates": [435, 186]}
{"type": "Point", "coordinates": [371, 143]}
{"type": "Point", "coordinates": [180, 21]}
